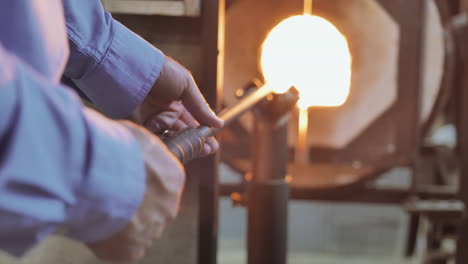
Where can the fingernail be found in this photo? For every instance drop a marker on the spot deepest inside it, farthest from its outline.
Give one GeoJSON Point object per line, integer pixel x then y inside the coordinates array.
{"type": "Point", "coordinates": [215, 145]}
{"type": "Point", "coordinates": [220, 122]}
{"type": "Point", "coordinates": [207, 149]}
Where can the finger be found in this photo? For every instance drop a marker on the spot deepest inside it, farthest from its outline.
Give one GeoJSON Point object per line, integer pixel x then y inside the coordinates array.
{"type": "Point", "coordinates": [157, 231]}
{"type": "Point", "coordinates": [206, 150]}
{"type": "Point", "coordinates": [211, 146]}
{"type": "Point", "coordinates": [188, 118]}
{"type": "Point", "coordinates": [197, 106]}
{"type": "Point", "coordinates": [145, 239]}
{"type": "Point", "coordinates": [154, 232]}
{"type": "Point", "coordinates": [115, 251]}
{"type": "Point", "coordinates": [179, 126]}
{"type": "Point", "coordinates": [214, 144]}
{"type": "Point", "coordinates": [162, 121]}
{"type": "Point", "coordinates": [138, 253]}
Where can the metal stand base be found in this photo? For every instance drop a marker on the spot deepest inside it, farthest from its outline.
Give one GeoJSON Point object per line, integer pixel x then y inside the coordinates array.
{"type": "Point", "coordinates": [267, 222]}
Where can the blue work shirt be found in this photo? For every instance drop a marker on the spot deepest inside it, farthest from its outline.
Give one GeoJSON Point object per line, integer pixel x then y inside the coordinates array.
{"type": "Point", "coordinates": [61, 163]}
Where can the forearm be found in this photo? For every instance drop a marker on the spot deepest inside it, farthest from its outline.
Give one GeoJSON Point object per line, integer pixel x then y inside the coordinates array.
{"type": "Point", "coordinates": [60, 164]}
{"type": "Point", "coordinates": [113, 66]}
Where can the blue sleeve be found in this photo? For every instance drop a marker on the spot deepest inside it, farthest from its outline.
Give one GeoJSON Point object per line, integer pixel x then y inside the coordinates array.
{"type": "Point", "coordinates": [113, 66]}
{"type": "Point", "coordinates": [60, 164]}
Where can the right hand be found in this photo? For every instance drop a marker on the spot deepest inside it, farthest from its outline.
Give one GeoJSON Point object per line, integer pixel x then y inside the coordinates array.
{"type": "Point", "coordinates": [165, 178]}
{"type": "Point", "coordinates": [175, 103]}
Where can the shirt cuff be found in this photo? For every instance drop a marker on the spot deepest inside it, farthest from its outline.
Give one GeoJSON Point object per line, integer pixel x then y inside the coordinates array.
{"type": "Point", "coordinates": [125, 75]}
{"type": "Point", "coordinates": [114, 187]}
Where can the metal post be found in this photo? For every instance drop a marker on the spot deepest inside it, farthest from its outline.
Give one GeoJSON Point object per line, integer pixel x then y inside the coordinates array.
{"type": "Point", "coordinates": [268, 195]}
{"type": "Point", "coordinates": [268, 191]}
{"type": "Point", "coordinates": [212, 44]}
{"type": "Point", "coordinates": [462, 140]}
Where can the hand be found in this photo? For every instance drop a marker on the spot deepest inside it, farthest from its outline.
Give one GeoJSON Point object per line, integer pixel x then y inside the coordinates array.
{"type": "Point", "coordinates": [165, 178]}
{"type": "Point", "coordinates": [175, 103]}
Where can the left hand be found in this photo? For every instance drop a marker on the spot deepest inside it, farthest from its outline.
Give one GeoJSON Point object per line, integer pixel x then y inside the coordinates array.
{"type": "Point", "coordinates": [165, 178]}
{"type": "Point", "coordinates": [175, 103]}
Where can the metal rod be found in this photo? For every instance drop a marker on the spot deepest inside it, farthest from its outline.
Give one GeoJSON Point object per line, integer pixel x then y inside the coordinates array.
{"type": "Point", "coordinates": [230, 114]}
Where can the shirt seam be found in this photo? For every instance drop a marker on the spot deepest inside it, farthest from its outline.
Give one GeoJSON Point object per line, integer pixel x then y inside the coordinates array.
{"type": "Point", "coordinates": [149, 82]}
{"type": "Point", "coordinates": [86, 48]}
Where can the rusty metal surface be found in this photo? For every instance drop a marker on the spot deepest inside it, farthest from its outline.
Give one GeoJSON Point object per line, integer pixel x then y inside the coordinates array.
{"type": "Point", "coordinates": [449, 69]}
{"type": "Point", "coordinates": [461, 31]}
{"type": "Point", "coordinates": [212, 54]}
{"type": "Point", "coordinates": [360, 194]}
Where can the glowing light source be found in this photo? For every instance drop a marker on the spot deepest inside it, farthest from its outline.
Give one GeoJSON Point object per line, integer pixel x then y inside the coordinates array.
{"type": "Point", "coordinates": [302, 154]}
{"type": "Point", "coordinates": [309, 53]}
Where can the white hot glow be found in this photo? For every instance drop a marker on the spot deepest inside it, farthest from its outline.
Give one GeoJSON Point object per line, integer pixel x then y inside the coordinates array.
{"type": "Point", "coordinates": [302, 154]}
{"type": "Point", "coordinates": [309, 53]}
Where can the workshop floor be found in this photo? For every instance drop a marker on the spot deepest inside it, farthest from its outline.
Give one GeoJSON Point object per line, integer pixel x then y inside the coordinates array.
{"type": "Point", "coordinates": [232, 257]}
{"type": "Point", "coordinates": [326, 233]}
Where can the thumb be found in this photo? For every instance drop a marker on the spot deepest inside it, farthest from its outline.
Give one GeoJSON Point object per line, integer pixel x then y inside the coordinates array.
{"type": "Point", "coordinates": [195, 103]}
